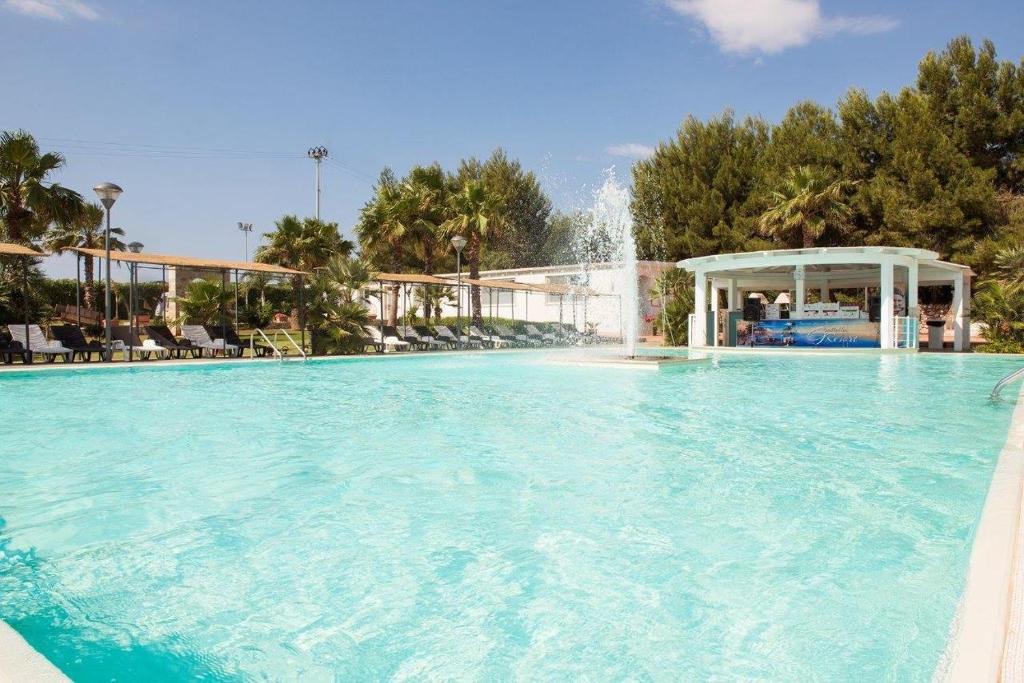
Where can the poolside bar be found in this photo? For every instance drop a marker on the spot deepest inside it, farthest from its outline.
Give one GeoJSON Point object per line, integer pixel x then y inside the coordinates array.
{"type": "Point", "coordinates": [888, 320]}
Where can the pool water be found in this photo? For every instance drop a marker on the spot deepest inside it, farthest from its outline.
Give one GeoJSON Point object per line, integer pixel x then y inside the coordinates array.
{"type": "Point", "coordinates": [494, 516]}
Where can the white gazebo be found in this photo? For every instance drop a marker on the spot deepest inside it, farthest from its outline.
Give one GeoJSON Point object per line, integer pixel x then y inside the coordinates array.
{"type": "Point", "coordinates": [824, 269]}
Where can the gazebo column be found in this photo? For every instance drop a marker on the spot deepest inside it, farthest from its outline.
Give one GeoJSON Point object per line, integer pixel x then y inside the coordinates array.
{"type": "Point", "coordinates": [698, 330]}
{"type": "Point", "coordinates": [824, 292]}
{"type": "Point", "coordinates": [912, 288]}
{"type": "Point", "coordinates": [801, 293]}
{"type": "Point", "coordinates": [961, 312]}
{"type": "Point", "coordinates": [887, 309]}
{"type": "Point", "coordinates": [714, 307]}
{"type": "Point", "coordinates": [733, 295]}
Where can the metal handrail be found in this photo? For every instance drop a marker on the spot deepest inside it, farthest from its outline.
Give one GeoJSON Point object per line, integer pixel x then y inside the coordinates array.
{"type": "Point", "coordinates": [252, 344]}
{"type": "Point", "coordinates": [302, 351]}
{"type": "Point", "coordinates": [1013, 376]}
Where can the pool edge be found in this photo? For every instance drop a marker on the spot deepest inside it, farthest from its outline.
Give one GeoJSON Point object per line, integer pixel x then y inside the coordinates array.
{"type": "Point", "coordinates": [979, 634]}
{"type": "Point", "coordinates": [19, 661]}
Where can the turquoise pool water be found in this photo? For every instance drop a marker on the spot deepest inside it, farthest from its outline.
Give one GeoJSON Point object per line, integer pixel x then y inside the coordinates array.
{"type": "Point", "coordinates": [490, 516]}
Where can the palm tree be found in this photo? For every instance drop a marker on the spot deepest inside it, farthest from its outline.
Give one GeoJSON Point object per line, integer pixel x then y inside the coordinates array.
{"type": "Point", "coordinates": [1001, 306]}
{"type": "Point", "coordinates": [432, 298]}
{"type": "Point", "coordinates": [807, 204]}
{"type": "Point", "coordinates": [1010, 265]}
{"type": "Point", "coordinates": [28, 202]}
{"type": "Point", "coordinates": [474, 214]}
{"type": "Point", "coordinates": [383, 224]}
{"type": "Point", "coordinates": [84, 230]}
{"type": "Point", "coordinates": [203, 302]}
{"type": "Point", "coordinates": [336, 321]}
{"type": "Point", "coordinates": [304, 244]}
{"type": "Point", "coordinates": [425, 193]}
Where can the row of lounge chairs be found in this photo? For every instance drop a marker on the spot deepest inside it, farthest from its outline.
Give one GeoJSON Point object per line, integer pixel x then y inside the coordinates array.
{"type": "Point", "coordinates": [69, 343]}
{"type": "Point", "coordinates": [437, 337]}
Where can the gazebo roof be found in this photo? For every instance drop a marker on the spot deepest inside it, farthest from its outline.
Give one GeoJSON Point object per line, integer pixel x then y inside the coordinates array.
{"type": "Point", "coordinates": [840, 266]}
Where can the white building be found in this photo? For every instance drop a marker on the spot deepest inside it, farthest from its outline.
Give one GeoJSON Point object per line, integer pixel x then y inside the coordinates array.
{"type": "Point", "coordinates": [600, 309]}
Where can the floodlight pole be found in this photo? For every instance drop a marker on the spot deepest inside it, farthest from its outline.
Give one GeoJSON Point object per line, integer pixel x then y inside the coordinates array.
{"type": "Point", "coordinates": [317, 154]}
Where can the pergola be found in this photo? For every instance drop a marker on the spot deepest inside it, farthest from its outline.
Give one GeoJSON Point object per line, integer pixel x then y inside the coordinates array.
{"type": "Point", "coordinates": [224, 266]}
{"type": "Point", "coordinates": [24, 253]}
{"type": "Point", "coordinates": [828, 268]}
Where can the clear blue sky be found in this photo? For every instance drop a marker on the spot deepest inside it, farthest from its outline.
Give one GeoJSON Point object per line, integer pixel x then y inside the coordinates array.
{"type": "Point", "coordinates": [568, 87]}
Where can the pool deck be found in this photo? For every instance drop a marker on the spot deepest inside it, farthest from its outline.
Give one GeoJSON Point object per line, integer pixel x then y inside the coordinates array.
{"type": "Point", "coordinates": [986, 641]}
{"type": "Point", "coordinates": [20, 662]}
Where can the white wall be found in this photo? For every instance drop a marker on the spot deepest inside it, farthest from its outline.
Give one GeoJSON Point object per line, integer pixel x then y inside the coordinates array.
{"type": "Point", "coordinates": [540, 307]}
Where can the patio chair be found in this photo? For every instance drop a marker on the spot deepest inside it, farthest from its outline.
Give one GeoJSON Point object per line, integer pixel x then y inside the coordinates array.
{"type": "Point", "coordinates": [38, 343]}
{"type": "Point", "coordinates": [387, 342]}
{"type": "Point", "coordinates": [163, 336]}
{"type": "Point", "coordinates": [71, 337]}
{"type": "Point", "coordinates": [259, 350]}
{"type": "Point", "coordinates": [393, 332]}
{"type": "Point", "coordinates": [198, 336]}
{"type": "Point", "coordinates": [370, 341]}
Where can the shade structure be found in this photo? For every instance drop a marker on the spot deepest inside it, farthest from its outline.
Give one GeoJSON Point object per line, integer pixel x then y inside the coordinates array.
{"type": "Point", "coordinates": [9, 249]}
{"type": "Point", "coordinates": [189, 261]}
{"type": "Point", "coordinates": [410, 278]}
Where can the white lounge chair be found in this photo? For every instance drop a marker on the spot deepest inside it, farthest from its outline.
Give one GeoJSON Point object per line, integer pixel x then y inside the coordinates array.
{"type": "Point", "coordinates": [510, 334]}
{"type": "Point", "coordinates": [391, 342]}
{"type": "Point", "coordinates": [38, 343]}
{"type": "Point", "coordinates": [197, 335]}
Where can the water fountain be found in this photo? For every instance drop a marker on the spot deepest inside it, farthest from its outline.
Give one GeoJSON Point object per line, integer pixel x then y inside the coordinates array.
{"type": "Point", "coordinates": [607, 236]}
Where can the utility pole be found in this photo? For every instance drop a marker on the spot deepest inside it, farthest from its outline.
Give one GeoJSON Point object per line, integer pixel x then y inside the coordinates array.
{"type": "Point", "coordinates": [317, 154]}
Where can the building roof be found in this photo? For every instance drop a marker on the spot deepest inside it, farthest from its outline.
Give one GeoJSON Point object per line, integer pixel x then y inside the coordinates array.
{"type": "Point", "coordinates": [188, 261]}
{"type": "Point", "coordinates": [9, 249]}
{"type": "Point", "coordinates": [411, 278]}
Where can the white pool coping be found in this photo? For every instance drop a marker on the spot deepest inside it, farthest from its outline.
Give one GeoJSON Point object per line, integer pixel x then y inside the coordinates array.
{"type": "Point", "coordinates": [986, 640]}
{"type": "Point", "coordinates": [19, 661]}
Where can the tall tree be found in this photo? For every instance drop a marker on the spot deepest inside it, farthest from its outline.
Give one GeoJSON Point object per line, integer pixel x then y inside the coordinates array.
{"type": "Point", "coordinates": [381, 230]}
{"type": "Point", "coordinates": [807, 204]}
{"type": "Point", "coordinates": [475, 215]}
{"type": "Point", "coordinates": [304, 244]}
{"type": "Point", "coordinates": [29, 201]}
{"type": "Point", "coordinates": [85, 230]}
{"type": "Point", "coordinates": [525, 212]}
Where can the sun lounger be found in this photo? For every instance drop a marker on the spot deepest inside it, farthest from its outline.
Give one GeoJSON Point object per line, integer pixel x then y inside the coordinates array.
{"type": "Point", "coordinates": [391, 332]}
{"type": "Point", "coordinates": [542, 337]}
{"type": "Point", "coordinates": [9, 349]}
{"type": "Point", "coordinates": [509, 333]}
{"type": "Point", "coordinates": [424, 341]}
{"type": "Point", "coordinates": [493, 340]}
{"type": "Point", "coordinates": [198, 336]}
{"type": "Point", "coordinates": [71, 337]}
{"type": "Point", "coordinates": [162, 336]}
{"type": "Point", "coordinates": [388, 343]}
{"type": "Point", "coordinates": [38, 343]}
{"type": "Point", "coordinates": [131, 343]}
{"type": "Point", "coordinates": [435, 342]}
{"type": "Point", "coordinates": [443, 332]}
{"type": "Point", "coordinates": [230, 335]}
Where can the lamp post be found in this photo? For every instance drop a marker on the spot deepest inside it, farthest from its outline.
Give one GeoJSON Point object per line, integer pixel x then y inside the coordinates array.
{"type": "Point", "coordinates": [246, 228]}
{"type": "Point", "coordinates": [459, 242]}
{"type": "Point", "coordinates": [317, 154]}
{"type": "Point", "coordinates": [108, 194]}
{"type": "Point", "coordinates": [135, 248]}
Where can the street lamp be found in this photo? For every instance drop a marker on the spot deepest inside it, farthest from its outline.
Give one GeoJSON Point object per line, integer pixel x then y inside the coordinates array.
{"type": "Point", "coordinates": [108, 194]}
{"type": "Point", "coordinates": [459, 242]}
{"type": "Point", "coordinates": [133, 276]}
{"type": "Point", "coordinates": [246, 228]}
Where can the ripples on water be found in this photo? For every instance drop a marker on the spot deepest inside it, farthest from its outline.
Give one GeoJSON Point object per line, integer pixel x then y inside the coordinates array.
{"type": "Point", "coordinates": [492, 517]}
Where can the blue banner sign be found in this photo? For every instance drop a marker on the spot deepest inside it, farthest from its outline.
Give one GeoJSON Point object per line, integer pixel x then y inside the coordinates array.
{"type": "Point", "coordinates": [819, 333]}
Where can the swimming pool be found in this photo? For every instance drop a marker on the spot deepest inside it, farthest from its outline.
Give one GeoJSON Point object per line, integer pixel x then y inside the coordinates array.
{"type": "Point", "coordinates": [797, 517]}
